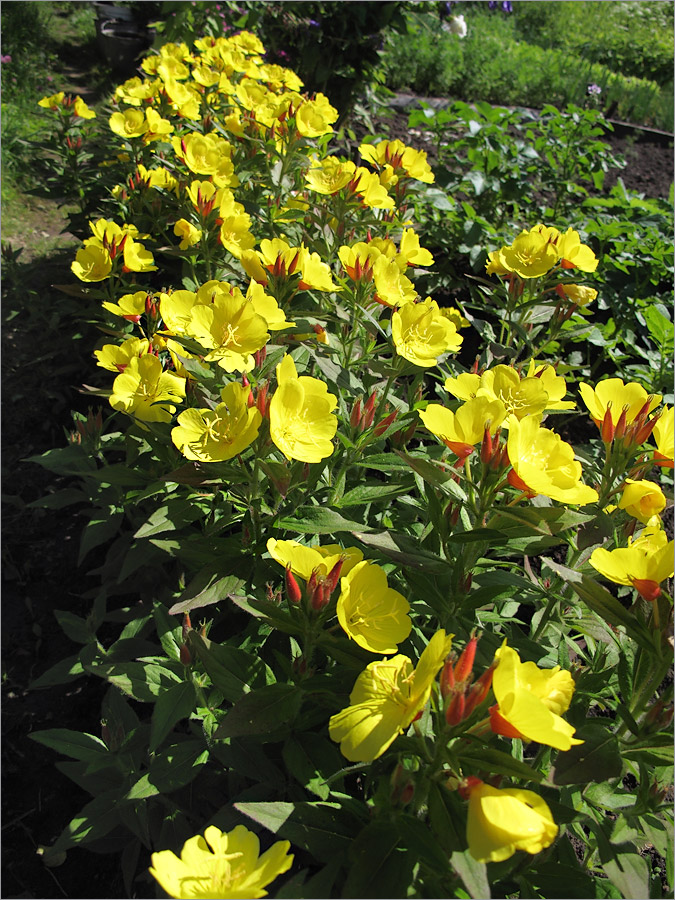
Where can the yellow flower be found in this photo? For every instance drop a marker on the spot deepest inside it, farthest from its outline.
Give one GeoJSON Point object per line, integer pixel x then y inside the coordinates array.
{"type": "Point", "coordinates": [206, 154]}
{"type": "Point", "coordinates": [221, 864]}
{"type": "Point", "coordinates": [386, 697]}
{"type": "Point", "coordinates": [503, 820]}
{"type": "Point", "coordinates": [128, 124]}
{"type": "Point", "coordinates": [213, 435]}
{"type": "Point", "coordinates": [421, 334]}
{"type": "Point", "coordinates": [392, 288]}
{"type": "Point", "coordinates": [520, 397]}
{"type": "Point", "coordinates": [575, 255]}
{"type": "Point", "coordinates": [410, 252]}
{"type": "Point", "coordinates": [642, 500]}
{"type": "Point", "coordinates": [370, 612]}
{"type": "Point", "coordinates": [305, 561]}
{"type": "Point", "coordinates": [302, 424]}
{"type": "Point", "coordinates": [329, 175]}
{"type": "Point", "coordinates": [579, 293]}
{"type": "Point", "coordinates": [137, 258]}
{"type": "Point", "coordinates": [188, 234]}
{"type": "Point", "coordinates": [644, 564]}
{"type": "Point", "coordinates": [664, 435]}
{"type": "Point", "coordinates": [130, 307]}
{"type": "Point", "coordinates": [462, 430]}
{"type": "Point", "coordinates": [145, 391]}
{"type": "Point", "coordinates": [81, 109]}
{"type": "Point", "coordinates": [370, 190]}
{"type": "Point", "coordinates": [359, 259]}
{"type": "Point", "coordinates": [530, 255]}
{"type": "Point", "coordinates": [92, 263]}
{"type": "Point", "coordinates": [404, 161]}
{"type": "Point", "coordinates": [230, 328]}
{"type": "Point", "coordinates": [158, 127]}
{"type": "Point", "coordinates": [315, 117]}
{"type": "Point", "coordinates": [531, 700]}
{"type": "Point", "coordinates": [53, 102]}
{"type": "Point", "coordinates": [613, 395]}
{"type": "Point", "coordinates": [175, 309]}
{"type": "Point", "coordinates": [316, 275]}
{"type": "Point", "coordinates": [116, 357]}
{"type": "Point", "coordinates": [545, 464]}
{"type": "Point", "coordinates": [554, 385]}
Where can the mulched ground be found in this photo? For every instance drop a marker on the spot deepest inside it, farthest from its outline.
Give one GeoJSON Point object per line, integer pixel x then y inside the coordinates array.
{"type": "Point", "coordinates": [40, 572]}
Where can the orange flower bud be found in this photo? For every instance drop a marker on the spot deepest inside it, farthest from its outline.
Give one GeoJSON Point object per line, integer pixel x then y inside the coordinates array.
{"type": "Point", "coordinates": [293, 591]}
{"type": "Point", "coordinates": [464, 665]}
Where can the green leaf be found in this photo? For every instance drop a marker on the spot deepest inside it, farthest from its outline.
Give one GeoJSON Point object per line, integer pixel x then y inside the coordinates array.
{"type": "Point", "coordinates": [74, 627]}
{"type": "Point", "coordinates": [311, 759]}
{"type": "Point", "coordinates": [447, 818]}
{"type": "Point", "coordinates": [63, 672]}
{"type": "Point", "coordinates": [99, 531]}
{"type": "Point", "coordinates": [59, 499]}
{"type": "Point", "coordinates": [174, 704]}
{"type": "Point", "coordinates": [94, 821]}
{"type": "Point", "coordinates": [473, 874]}
{"type": "Point", "coordinates": [170, 770]}
{"type": "Point", "coordinates": [404, 550]}
{"type": "Point", "coordinates": [142, 681]}
{"type": "Point", "coordinates": [263, 712]}
{"type": "Point", "coordinates": [206, 588]}
{"type": "Point", "coordinates": [378, 865]}
{"type": "Point", "coordinates": [597, 759]}
{"type": "Point", "coordinates": [368, 493]}
{"type": "Point", "coordinates": [169, 517]}
{"type": "Point", "coordinates": [319, 520]}
{"type": "Point", "coordinates": [232, 671]}
{"type": "Point", "coordinates": [70, 460]}
{"type": "Point", "coordinates": [490, 760]}
{"type": "Point", "coordinates": [71, 743]}
{"type": "Point", "coordinates": [438, 475]}
{"type": "Point", "coordinates": [324, 829]}
{"type": "Point", "coordinates": [623, 865]}
{"type": "Point", "coordinates": [544, 520]}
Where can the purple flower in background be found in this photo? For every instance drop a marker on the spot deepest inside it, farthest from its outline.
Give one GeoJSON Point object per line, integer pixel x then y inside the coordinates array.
{"type": "Point", "coordinates": [593, 89]}
{"type": "Point", "coordinates": [507, 6]}
{"type": "Point", "coordinates": [6, 58]}
{"type": "Point", "coordinates": [314, 24]}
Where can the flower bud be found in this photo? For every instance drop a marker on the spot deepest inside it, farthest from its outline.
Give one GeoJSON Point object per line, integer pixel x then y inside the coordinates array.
{"type": "Point", "coordinates": [455, 711]}
{"type": "Point", "coordinates": [293, 591]}
{"type": "Point", "coordinates": [355, 416]}
{"type": "Point", "coordinates": [382, 426]}
{"type": "Point", "coordinates": [607, 429]}
{"type": "Point", "coordinates": [185, 655]}
{"type": "Point", "coordinates": [464, 665]}
{"type": "Point", "coordinates": [187, 626]}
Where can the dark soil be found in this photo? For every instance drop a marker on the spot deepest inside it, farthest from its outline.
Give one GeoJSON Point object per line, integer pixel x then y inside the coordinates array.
{"type": "Point", "coordinates": [40, 572]}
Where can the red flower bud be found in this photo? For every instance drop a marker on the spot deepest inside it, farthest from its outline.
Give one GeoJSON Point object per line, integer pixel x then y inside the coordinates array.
{"type": "Point", "coordinates": [333, 576]}
{"type": "Point", "coordinates": [369, 410]}
{"type": "Point", "coordinates": [447, 677]}
{"type": "Point", "coordinates": [382, 426]}
{"type": "Point", "coordinates": [455, 711]}
{"type": "Point", "coordinates": [187, 626]}
{"type": "Point", "coordinates": [464, 665]}
{"type": "Point", "coordinates": [646, 588]}
{"type": "Point", "coordinates": [293, 591]}
{"type": "Point", "coordinates": [355, 416]}
{"type": "Point", "coordinates": [185, 655]}
{"type": "Point", "coordinates": [607, 428]}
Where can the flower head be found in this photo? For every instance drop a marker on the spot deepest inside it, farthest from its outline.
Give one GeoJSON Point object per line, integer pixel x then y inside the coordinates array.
{"type": "Point", "coordinates": [221, 864]}
{"type": "Point", "coordinates": [305, 561]}
{"type": "Point", "coordinates": [503, 820]}
{"type": "Point", "coordinates": [530, 701]}
{"type": "Point", "coordinates": [664, 435]}
{"type": "Point", "coordinates": [642, 500]}
{"type": "Point", "coordinates": [145, 391]}
{"type": "Point", "coordinates": [545, 464]}
{"type": "Point", "coordinates": [213, 435]}
{"type": "Point", "coordinates": [462, 430]}
{"type": "Point", "coordinates": [370, 612]}
{"type": "Point", "coordinates": [387, 696]}
{"type": "Point", "coordinates": [644, 563]}
{"type": "Point", "coordinates": [421, 334]}
{"type": "Point", "coordinates": [302, 423]}
{"type": "Point", "coordinates": [613, 396]}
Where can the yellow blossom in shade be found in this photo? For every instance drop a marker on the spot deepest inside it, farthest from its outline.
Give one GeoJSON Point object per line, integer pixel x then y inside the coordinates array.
{"type": "Point", "coordinates": [359, 259]}
{"type": "Point", "coordinates": [221, 864]}
{"type": "Point", "coordinates": [158, 178]}
{"type": "Point", "coordinates": [421, 334]}
{"type": "Point", "coordinates": [573, 254]}
{"type": "Point", "coordinates": [304, 561]}
{"type": "Point", "coordinates": [329, 175]}
{"type": "Point", "coordinates": [230, 329]}
{"type": "Point", "coordinates": [128, 124]}
{"type": "Point", "coordinates": [642, 500]}
{"type": "Point", "coordinates": [494, 266]}
{"type": "Point", "coordinates": [213, 435]}
{"type": "Point", "coordinates": [235, 235]}
{"type": "Point", "coordinates": [315, 117]}
{"type": "Point", "coordinates": [172, 68]}
{"type": "Point", "coordinates": [135, 90]}
{"type": "Point", "coordinates": [464, 386]}
{"type": "Point", "coordinates": [137, 258]}
{"type": "Point", "coordinates": [462, 430]}
{"type": "Point", "coordinates": [145, 391]}
{"type": "Point", "coordinates": [302, 423]}
{"type": "Point", "coordinates": [410, 252]}
{"type": "Point", "coordinates": [53, 102]}
{"type": "Point", "coordinates": [115, 357]}
{"type": "Point", "coordinates": [503, 820]}
{"type": "Point", "coordinates": [315, 274]}
{"type": "Point", "coordinates": [370, 190]}
{"type": "Point", "coordinates": [529, 256]}
{"type": "Point", "coordinates": [554, 385]}
{"type": "Point", "coordinates": [545, 464]}
{"type": "Point", "coordinates": [403, 160]}
{"type": "Point", "coordinates": [386, 697]}
{"type": "Point", "coordinates": [644, 563]}
{"type": "Point", "coordinates": [392, 288]}
{"type": "Point", "coordinates": [455, 316]}
{"type": "Point", "coordinates": [158, 128]}
{"type": "Point", "coordinates": [185, 100]}
{"type": "Point", "coordinates": [188, 234]}
{"type": "Point", "coordinates": [130, 307]}
{"type": "Point", "coordinates": [267, 307]}
{"type": "Point", "coordinates": [532, 700]}
{"type": "Point", "coordinates": [613, 395]}
{"type": "Point", "coordinates": [92, 263]}
{"type": "Point", "coordinates": [664, 435]}
{"type": "Point", "coordinates": [371, 613]}
{"type": "Point", "coordinates": [579, 293]}
{"type": "Point", "coordinates": [175, 309]}
{"type": "Point", "coordinates": [81, 109]}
